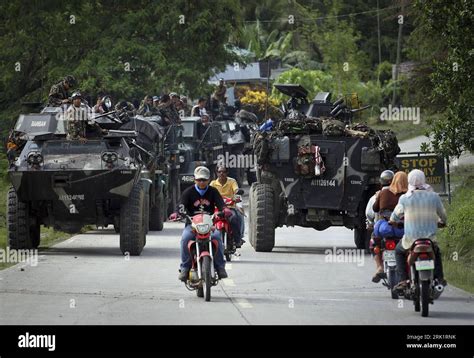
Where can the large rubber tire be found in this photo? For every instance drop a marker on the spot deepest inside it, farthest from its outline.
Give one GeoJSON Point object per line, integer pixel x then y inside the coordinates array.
{"type": "Point", "coordinates": [157, 213]}
{"type": "Point", "coordinates": [132, 222]}
{"type": "Point", "coordinates": [392, 281]}
{"type": "Point", "coordinates": [425, 298]}
{"type": "Point", "coordinates": [23, 229]}
{"type": "Point", "coordinates": [262, 221]}
{"type": "Point", "coordinates": [206, 274]}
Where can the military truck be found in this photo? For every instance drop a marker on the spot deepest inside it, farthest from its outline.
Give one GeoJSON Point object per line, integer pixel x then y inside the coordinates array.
{"type": "Point", "coordinates": [316, 169]}
{"type": "Point", "coordinates": [202, 146]}
{"type": "Point", "coordinates": [67, 184]}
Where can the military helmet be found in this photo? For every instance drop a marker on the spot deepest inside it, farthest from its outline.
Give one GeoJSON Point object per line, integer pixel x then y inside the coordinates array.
{"type": "Point", "coordinates": [174, 94]}
{"type": "Point", "coordinates": [71, 80]}
{"type": "Point", "coordinates": [76, 94]}
{"type": "Point", "coordinates": [386, 177]}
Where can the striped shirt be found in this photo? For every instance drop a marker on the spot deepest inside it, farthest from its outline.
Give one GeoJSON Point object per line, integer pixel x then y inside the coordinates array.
{"type": "Point", "coordinates": [420, 213]}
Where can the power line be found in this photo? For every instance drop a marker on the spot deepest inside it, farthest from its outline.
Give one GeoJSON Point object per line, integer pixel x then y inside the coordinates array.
{"type": "Point", "coordinates": [328, 17]}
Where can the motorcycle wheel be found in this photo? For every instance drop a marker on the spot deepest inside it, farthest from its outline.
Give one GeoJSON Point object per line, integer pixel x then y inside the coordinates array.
{"type": "Point", "coordinates": [425, 298]}
{"type": "Point", "coordinates": [392, 282]}
{"type": "Point", "coordinates": [206, 274]}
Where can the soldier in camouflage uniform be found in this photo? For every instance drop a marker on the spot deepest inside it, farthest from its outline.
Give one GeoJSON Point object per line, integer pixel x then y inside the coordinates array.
{"type": "Point", "coordinates": [58, 94]}
{"type": "Point", "coordinates": [186, 106]}
{"type": "Point", "coordinates": [167, 111]}
{"type": "Point", "coordinates": [78, 115]}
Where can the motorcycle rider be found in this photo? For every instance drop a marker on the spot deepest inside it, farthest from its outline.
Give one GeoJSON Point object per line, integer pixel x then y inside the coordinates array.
{"type": "Point", "coordinates": [228, 187]}
{"type": "Point", "coordinates": [422, 210]}
{"type": "Point", "coordinates": [385, 202]}
{"type": "Point", "coordinates": [386, 178]}
{"type": "Point", "coordinates": [199, 197]}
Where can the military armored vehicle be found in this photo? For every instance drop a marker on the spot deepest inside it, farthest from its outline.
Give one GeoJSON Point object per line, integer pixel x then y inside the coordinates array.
{"type": "Point", "coordinates": [316, 169]}
{"type": "Point", "coordinates": [202, 146]}
{"type": "Point", "coordinates": [67, 184]}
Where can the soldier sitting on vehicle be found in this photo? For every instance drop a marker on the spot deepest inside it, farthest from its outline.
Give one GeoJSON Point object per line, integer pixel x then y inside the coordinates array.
{"type": "Point", "coordinates": [78, 116]}
{"type": "Point", "coordinates": [187, 108]}
{"type": "Point", "coordinates": [146, 108]}
{"type": "Point", "coordinates": [219, 93]}
{"type": "Point", "coordinates": [58, 94]}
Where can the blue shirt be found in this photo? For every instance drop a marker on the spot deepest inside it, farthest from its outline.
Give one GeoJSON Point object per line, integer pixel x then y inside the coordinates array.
{"type": "Point", "coordinates": [420, 212]}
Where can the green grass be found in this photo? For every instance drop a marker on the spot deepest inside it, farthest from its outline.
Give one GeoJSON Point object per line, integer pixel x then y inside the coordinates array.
{"type": "Point", "coordinates": [457, 239]}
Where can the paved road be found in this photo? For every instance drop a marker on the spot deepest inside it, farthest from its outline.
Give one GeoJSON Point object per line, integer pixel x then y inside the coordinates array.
{"type": "Point", "coordinates": [86, 280]}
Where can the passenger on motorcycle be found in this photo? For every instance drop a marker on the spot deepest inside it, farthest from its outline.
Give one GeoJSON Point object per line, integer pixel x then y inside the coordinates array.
{"type": "Point", "coordinates": [385, 180]}
{"type": "Point", "coordinates": [228, 187]}
{"type": "Point", "coordinates": [197, 198]}
{"type": "Point", "coordinates": [385, 203]}
{"type": "Point", "coordinates": [421, 209]}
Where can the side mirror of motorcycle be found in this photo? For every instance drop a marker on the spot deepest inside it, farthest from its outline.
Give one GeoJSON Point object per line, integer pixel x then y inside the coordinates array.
{"type": "Point", "coordinates": [240, 192]}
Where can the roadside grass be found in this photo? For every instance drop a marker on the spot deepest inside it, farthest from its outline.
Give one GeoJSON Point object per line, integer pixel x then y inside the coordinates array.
{"type": "Point", "coordinates": [457, 239]}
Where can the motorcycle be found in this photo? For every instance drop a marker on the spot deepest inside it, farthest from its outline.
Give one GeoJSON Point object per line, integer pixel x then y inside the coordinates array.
{"type": "Point", "coordinates": [422, 288]}
{"type": "Point", "coordinates": [223, 225]}
{"type": "Point", "coordinates": [202, 249]}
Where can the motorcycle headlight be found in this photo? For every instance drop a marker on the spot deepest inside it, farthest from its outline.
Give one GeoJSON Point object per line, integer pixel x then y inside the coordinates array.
{"type": "Point", "coordinates": [202, 228]}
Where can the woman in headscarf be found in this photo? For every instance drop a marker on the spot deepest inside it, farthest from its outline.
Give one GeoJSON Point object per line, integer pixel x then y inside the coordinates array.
{"type": "Point", "coordinates": [385, 203]}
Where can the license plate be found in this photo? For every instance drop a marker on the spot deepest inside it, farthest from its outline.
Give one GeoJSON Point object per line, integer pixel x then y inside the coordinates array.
{"type": "Point", "coordinates": [389, 255]}
{"type": "Point", "coordinates": [424, 265]}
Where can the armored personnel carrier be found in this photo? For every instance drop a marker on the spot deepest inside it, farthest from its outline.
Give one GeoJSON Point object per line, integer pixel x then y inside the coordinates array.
{"type": "Point", "coordinates": [316, 169]}
{"type": "Point", "coordinates": [67, 184]}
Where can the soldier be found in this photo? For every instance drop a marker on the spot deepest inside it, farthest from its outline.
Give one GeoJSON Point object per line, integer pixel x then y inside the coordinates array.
{"type": "Point", "coordinates": [174, 107]}
{"type": "Point", "coordinates": [78, 115]}
{"type": "Point", "coordinates": [167, 111]}
{"type": "Point", "coordinates": [146, 108]}
{"type": "Point", "coordinates": [58, 94]}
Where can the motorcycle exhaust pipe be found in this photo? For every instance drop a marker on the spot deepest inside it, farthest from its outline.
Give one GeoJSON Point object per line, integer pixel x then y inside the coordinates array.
{"type": "Point", "coordinates": [439, 288]}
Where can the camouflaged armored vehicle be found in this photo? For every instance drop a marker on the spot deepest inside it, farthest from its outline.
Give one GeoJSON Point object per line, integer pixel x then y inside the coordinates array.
{"type": "Point", "coordinates": [202, 146]}
{"type": "Point", "coordinates": [66, 184]}
{"type": "Point", "coordinates": [316, 169]}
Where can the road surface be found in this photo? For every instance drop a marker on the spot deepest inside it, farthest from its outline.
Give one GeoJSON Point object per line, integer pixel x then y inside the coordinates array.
{"type": "Point", "coordinates": [86, 280]}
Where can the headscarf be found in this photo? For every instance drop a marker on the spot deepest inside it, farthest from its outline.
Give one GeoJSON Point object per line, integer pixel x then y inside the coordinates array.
{"type": "Point", "coordinates": [417, 181]}
{"type": "Point", "coordinates": [399, 183]}
{"type": "Point", "coordinates": [201, 191]}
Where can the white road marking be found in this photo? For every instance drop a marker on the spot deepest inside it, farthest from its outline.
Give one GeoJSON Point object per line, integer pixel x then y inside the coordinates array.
{"type": "Point", "coordinates": [242, 302]}
{"type": "Point", "coordinates": [229, 282]}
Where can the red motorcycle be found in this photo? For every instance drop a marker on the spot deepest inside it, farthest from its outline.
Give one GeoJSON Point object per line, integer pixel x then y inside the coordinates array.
{"type": "Point", "coordinates": [422, 287]}
{"type": "Point", "coordinates": [223, 225]}
{"type": "Point", "coordinates": [202, 249]}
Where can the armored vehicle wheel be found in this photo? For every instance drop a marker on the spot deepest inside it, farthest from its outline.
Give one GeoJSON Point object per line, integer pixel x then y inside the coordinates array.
{"type": "Point", "coordinates": [262, 221]}
{"type": "Point", "coordinates": [361, 238]}
{"type": "Point", "coordinates": [23, 229]}
{"type": "Point", "coordinates": [132, 225]}
{"type": "Point", "coordinates": [157, 213]}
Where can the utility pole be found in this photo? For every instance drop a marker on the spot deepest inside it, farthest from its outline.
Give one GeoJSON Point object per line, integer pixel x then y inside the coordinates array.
{"type": "Point", "coordinates": [378, 36]}
{"type": "Point", "coordinates": [400, 28]}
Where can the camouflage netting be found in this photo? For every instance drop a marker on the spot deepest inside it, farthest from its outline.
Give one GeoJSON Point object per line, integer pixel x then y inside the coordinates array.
{"type": "Point", "coordinates": [296, 123]}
